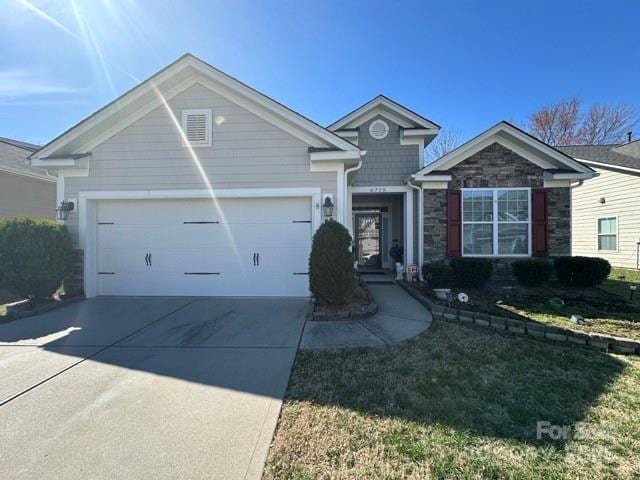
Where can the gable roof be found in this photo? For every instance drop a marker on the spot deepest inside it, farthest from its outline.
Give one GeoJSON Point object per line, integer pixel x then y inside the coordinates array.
{"type": "Point", "coordinates": [624, 156]}
{"type": "Point", "coordinates": [13, 159]}
{"type": "Point", "coordinates": [407, 118]}
{"type": "Point", "coordinates": [168, 82]}
{"type": "Point", "coordinates": [514, 139]}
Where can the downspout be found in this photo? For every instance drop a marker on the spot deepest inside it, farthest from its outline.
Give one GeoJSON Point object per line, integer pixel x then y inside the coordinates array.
{"type": "Point", "coordinates": [420, 226]}
{"type": "Point", "coordinates": [345, 196]}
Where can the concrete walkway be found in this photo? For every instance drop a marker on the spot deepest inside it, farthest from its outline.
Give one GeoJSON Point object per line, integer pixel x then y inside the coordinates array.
{"type": "Point", "coordinates": [399, 318]}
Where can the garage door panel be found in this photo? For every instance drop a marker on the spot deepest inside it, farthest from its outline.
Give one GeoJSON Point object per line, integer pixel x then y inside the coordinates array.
{"type": "Point", "coordinates": [190, 256]}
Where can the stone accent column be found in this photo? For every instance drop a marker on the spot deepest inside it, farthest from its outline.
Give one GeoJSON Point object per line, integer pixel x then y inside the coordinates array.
{"type": "Point", "coordinates": [74, 285]}
{"type": "Point", "coordinates": [559, 221]}
{"type": "Point", "coordinates": [435, 225]}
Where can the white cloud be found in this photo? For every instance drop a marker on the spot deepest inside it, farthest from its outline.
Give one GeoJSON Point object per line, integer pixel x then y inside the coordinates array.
{"type": "Point", "coordinates": [19, 84]}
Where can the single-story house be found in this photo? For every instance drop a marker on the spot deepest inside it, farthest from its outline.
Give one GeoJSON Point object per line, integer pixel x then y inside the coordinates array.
{"type": "Point", "coordinates": [25, 191]}
{"type": "Point", "coordinates": [606, 210]}
{"type": "Point", "coordinates": [193, 183]}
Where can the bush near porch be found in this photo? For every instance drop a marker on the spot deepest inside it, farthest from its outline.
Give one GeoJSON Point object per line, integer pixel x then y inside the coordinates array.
{"type": "Point", "coordinates": [332, 278]}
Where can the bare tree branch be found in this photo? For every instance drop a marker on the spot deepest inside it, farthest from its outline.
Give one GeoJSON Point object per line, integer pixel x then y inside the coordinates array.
{"type": "Point", "coordinates": [563, 124]}
{"type": "Point", "coordinates": [607, 124]}
{"type": "Point", "coordinates": [441, 145]}
{"type": "Point", "coordinates": [557, 124]}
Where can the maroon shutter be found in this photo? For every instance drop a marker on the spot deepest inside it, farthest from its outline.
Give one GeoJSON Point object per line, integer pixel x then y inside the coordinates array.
{"type": "Point", "coordinates": [453, 223]}
{"type": "Point", "coordinates": [539, 222]}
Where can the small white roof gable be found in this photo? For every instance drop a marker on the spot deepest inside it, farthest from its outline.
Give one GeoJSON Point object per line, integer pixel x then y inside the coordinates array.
{"type": "Point", "coordinates": [515, 140]}
{"type": "Point", "coordinates": [170, 81]}
{"type": "Point", "coordinates": [384, 106]}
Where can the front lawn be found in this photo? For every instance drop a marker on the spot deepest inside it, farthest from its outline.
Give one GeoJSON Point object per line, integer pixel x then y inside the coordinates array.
{"type": "Point", "coordinates": [458, 402]}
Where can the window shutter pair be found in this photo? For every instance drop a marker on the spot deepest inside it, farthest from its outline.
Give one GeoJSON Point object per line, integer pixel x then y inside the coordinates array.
{"type": "Point", "coordinates": [538, 222]}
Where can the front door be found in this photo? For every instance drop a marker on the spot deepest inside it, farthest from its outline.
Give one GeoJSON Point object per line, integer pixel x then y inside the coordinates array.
{"type": "Point", "coordinates": [368, 240]}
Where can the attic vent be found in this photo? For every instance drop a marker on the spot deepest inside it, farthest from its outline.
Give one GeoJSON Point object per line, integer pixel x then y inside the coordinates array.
{"type": "Point", "coordinates": [196, 125]}
{"type": "Point", "coordinates": [378, 129]}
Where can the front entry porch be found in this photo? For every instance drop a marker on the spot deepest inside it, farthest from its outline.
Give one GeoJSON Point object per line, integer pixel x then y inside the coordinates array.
{"type": "Point", "coordinates": [378, 222]}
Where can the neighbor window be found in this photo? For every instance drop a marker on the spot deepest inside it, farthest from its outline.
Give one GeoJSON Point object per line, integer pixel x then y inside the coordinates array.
{"type": "Point", "coordinates": [495, 222]}
{"type": "Point", "coordinates": [196, 126]}
{"type": "Point", "coordinates": [608, 234]}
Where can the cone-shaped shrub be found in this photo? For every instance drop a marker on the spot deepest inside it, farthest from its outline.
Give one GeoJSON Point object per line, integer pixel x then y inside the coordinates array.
{"type": "Point", "coordinates": [35, 256]}
{"type": "Point", "coordinates": [331, 274]}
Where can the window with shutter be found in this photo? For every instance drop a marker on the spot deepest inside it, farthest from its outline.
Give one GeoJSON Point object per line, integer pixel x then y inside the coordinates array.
{"type": "Point", "coordinates": [196, 125]}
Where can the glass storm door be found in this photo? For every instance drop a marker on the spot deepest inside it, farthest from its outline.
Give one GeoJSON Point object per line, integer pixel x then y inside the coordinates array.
{"type": "Point", "coordinates": [368, 240]}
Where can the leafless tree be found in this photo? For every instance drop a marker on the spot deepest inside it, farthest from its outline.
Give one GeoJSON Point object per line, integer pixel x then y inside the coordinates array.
{"type": "Point", "coordinates": [562, 123]}
{"type": "Point", "coordinates": [607, 124]}
{"type": "Point", "coordinates": [441, 145]}
{"type": "Point", "coordinates": [557, 124]}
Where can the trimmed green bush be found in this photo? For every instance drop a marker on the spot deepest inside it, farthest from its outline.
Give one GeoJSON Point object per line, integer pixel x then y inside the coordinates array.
{"type": "Point", "coordinates": [437, 274]}
{"type": "Point", "coordinates": [532, 272]}
{"type": "Point", "coordinates": [331, 273]}
{"type": "Point", "coordinates": [471, 272]}
{"type": "Point", "coordinates": [35, 257]}
{"type": "Point", "coordinates": [581, 271]}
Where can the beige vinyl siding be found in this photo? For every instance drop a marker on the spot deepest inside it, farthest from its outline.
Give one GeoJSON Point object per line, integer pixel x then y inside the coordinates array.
{"type": "Point", "coordinates": [22, 196]}
{"type": "Point", "coordinates": [621, 192]}
{"type": "Point", "coordinates": [246, 152]}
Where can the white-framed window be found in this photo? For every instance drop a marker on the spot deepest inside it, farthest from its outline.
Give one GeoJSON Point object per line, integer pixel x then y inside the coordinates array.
{"type": "Point", "coordinates": [607, 234]}
{"type": "Point", "coordinates": [496, 222]}
{"type": "Point", "coordinates": [196, 125]}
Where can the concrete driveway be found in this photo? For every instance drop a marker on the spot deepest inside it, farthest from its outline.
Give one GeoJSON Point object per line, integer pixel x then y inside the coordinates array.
{"type": "Point", "coordinates": [145, 387]}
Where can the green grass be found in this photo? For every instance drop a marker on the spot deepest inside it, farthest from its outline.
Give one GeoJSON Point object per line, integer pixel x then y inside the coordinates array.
{"type": "Point", "coordinates": [458, 402]}
{"type": "Point", "coordinates": [619, 281]}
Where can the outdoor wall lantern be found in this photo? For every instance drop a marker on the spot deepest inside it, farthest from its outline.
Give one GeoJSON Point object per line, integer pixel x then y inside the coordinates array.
{"type": "Point", "coordinates": [62, 211]}
{"type": "Point", "coordinates": [327, 207]}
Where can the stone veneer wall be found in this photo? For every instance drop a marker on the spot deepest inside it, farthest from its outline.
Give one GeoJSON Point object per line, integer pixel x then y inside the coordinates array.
{"type": "Point", "coordinates": [496, 166]}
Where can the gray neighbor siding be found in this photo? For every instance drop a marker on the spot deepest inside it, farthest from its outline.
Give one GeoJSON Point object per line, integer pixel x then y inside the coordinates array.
{"type": "Point", "coordinates": [246, 152]}
{"type": "Point", "coordinates": [494, 167]}
{"type": "Point", "coordinates": [386, 162]}
{"type": "Point", "coordinates": [22, 196]}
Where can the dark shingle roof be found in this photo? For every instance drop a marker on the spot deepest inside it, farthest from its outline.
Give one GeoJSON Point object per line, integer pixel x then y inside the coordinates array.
{"type": "Point", "coordinates": [625, 155]}
{"type": "Point", "coordinates": [17, 143]}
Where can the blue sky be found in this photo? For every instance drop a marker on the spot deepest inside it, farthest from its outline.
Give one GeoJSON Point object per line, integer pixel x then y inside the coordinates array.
{"type": "Point", "coordinates": [463, 64]}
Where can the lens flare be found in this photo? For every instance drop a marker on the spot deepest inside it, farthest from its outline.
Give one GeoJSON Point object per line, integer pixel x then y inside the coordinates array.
{"type": "Point", "coordinates": [201, 171]}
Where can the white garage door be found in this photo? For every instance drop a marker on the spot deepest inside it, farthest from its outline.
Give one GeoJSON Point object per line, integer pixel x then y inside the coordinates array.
{"type": "Point", "coordinates": [227, 247]}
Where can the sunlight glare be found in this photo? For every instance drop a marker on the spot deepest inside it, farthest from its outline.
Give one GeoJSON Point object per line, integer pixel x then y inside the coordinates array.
{"type": "Point", "coordinates": [201, 171]}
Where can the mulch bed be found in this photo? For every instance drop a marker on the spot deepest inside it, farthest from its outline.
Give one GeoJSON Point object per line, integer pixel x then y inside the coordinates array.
{"type": "Point", "coordinates": [362, 306]}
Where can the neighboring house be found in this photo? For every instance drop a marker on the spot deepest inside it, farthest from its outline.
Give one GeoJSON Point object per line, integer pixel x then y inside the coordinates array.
{"type": "Point", "coordinates": [25, 191]}
{"type": "Point", "coordinates": [606, 210]}
{"type": "Point", "coordinates": [193, 183]}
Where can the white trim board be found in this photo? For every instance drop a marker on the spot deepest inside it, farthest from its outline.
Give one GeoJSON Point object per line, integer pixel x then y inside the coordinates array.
{"type": "Point", "coordinates": [225, 82]}
{"type": "Point", "coordinates": [507, 135]}
{"type": "Point", "coordinates": [380, 189]}
{"type": "Point", "coordinates": [608, 166]}
{"type": "Point", "coordinates": [403, 116]}
{"type": "Point", "coordinates": [32, 175]}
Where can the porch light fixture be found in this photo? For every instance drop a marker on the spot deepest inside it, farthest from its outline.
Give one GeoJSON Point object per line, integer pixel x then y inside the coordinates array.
{"type": "Point", "coordinates": [327, 207]}
{"type": "Point", "coordinates": [62, 211]}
